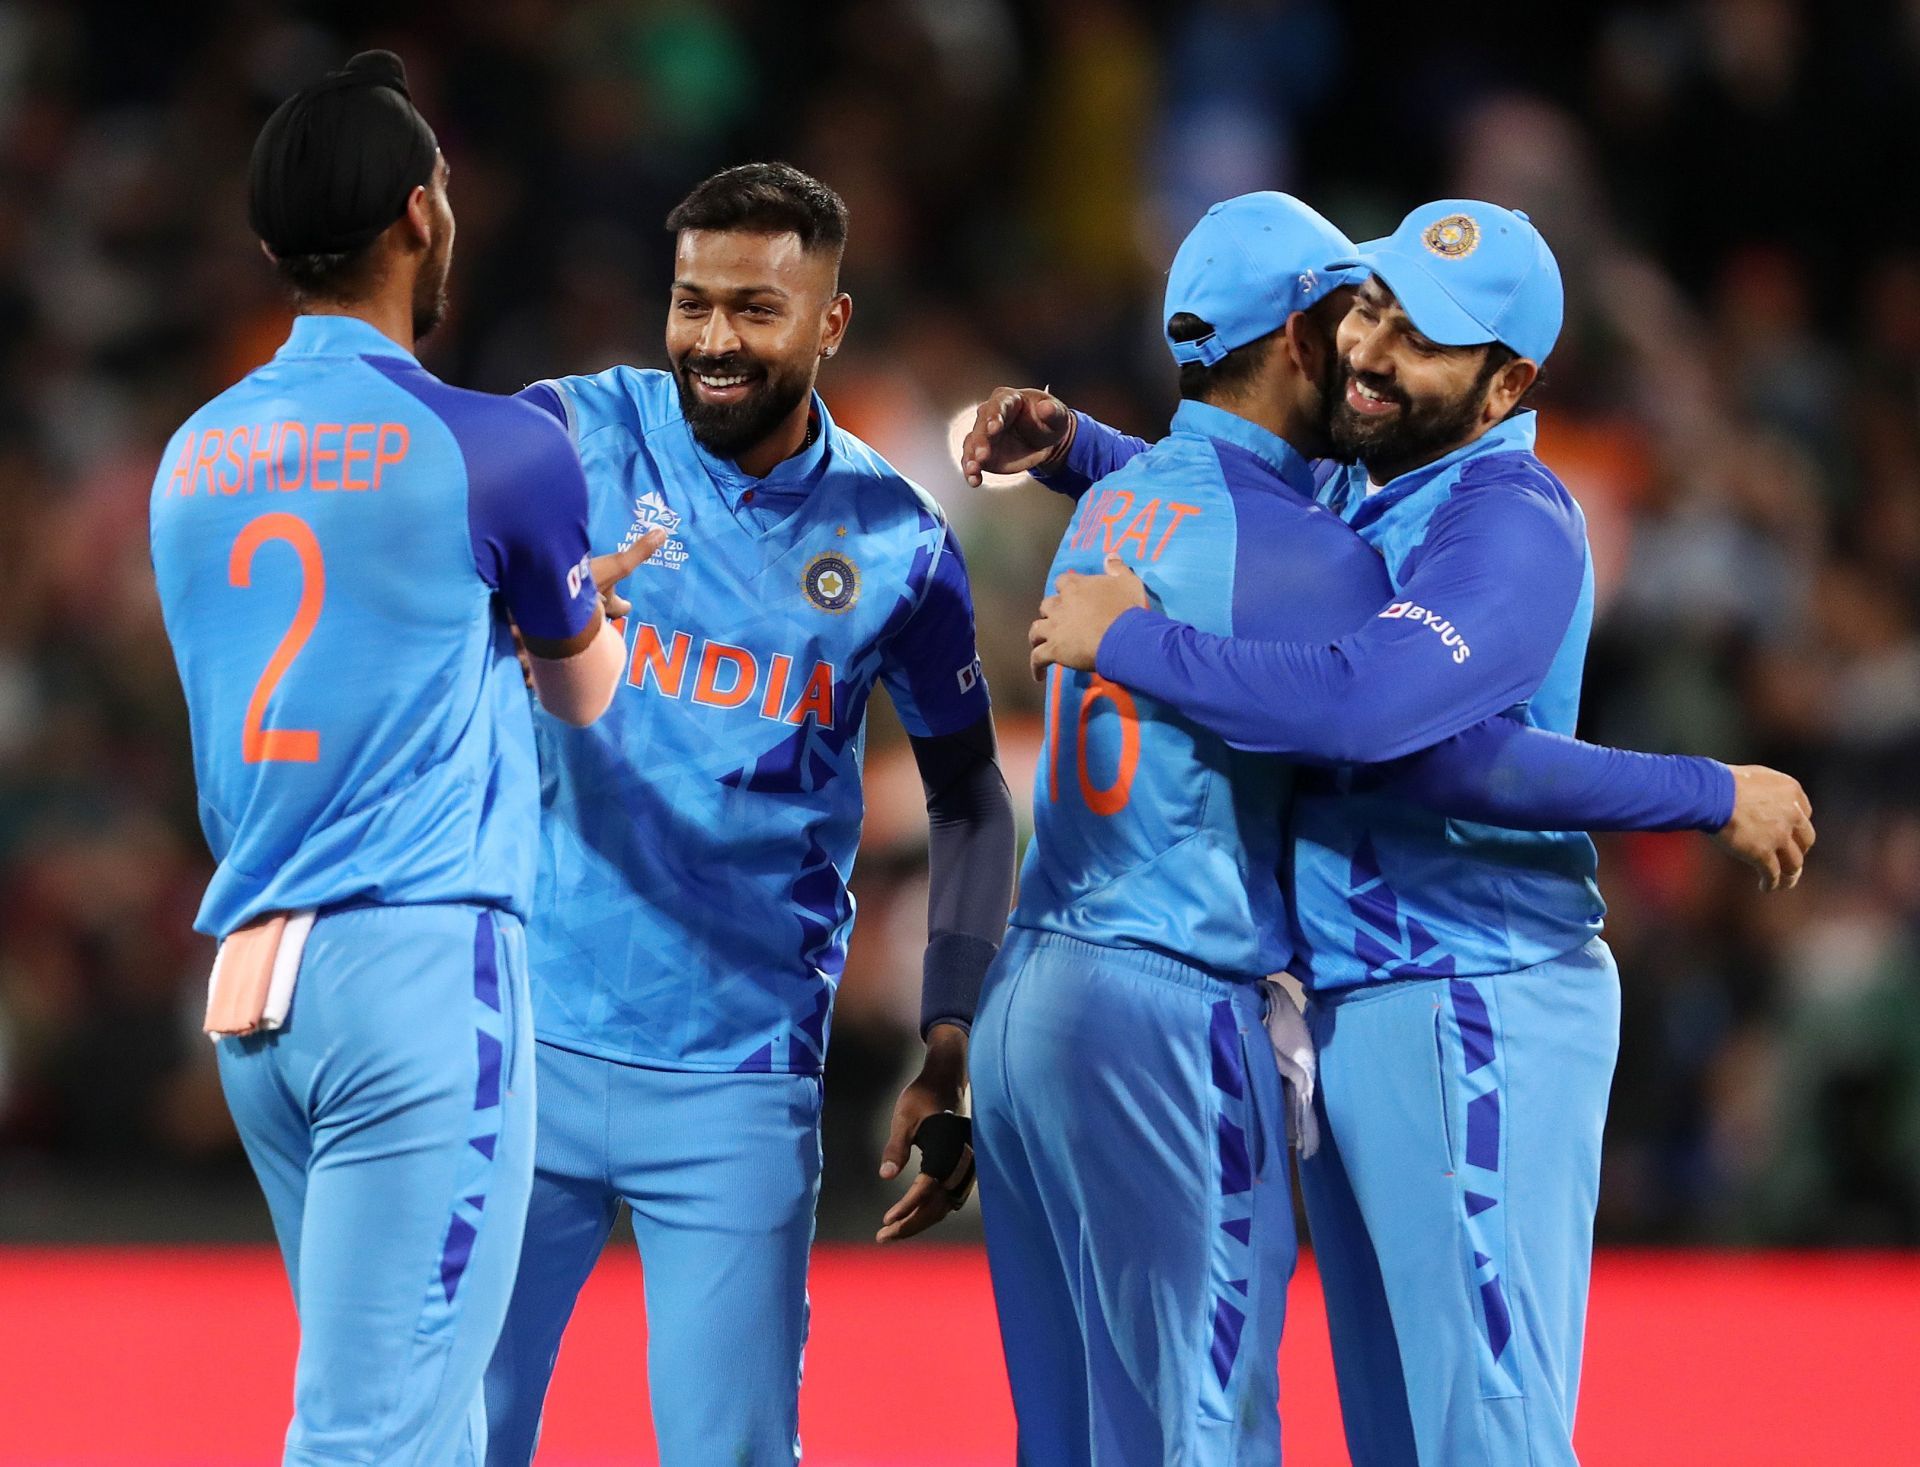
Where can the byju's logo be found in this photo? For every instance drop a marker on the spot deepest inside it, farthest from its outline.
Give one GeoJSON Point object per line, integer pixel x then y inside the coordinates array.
{"type": "Point", "coordinates": [1448, 634]}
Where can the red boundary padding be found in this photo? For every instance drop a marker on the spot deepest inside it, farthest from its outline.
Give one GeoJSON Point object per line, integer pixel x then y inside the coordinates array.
{"type": "Point", "coordinates": [184, 1358]}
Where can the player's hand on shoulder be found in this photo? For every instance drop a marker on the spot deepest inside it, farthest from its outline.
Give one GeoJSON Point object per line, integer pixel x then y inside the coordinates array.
{"type": "Point", "coordinates": [1772, 825]}
{"type": "Point", "coordinates": [937, 1090]}
{"type": "Point", "coordinates": [1017, 430]}
{"type": "Point", "coordinates": [1077, 615]}
{"type": "Point", "coordinates": [610, 570]}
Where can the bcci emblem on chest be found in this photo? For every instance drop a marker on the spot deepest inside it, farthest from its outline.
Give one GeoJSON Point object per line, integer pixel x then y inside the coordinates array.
{"type": "Point", "coordinates": [831, 582]}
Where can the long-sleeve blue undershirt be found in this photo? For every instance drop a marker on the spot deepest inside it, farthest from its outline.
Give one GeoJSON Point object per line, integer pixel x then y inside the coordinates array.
{"type": "Point", "coordinates": [1414, 692]}
{"type": "Point", "coordinates": [1500, 772]}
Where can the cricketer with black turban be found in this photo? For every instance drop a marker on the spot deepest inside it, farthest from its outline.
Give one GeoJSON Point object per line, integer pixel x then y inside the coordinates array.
{"type": "Point", "coordinates": [339, 540]}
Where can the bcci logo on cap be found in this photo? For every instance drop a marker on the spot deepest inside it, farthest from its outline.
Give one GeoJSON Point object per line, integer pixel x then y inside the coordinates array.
{"type": "Point", "coordinates": [1452, 238]}
{"type": "Point", "coordinates": [831, 582]}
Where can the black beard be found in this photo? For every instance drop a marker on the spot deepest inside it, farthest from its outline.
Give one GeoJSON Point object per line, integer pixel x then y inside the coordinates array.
{"type": "Point", "coordinates": [1332, 381]}
{"type": "Point", "coordinates": [1417, 434]}
{"type": "Point", "coordinates": [728, 430]}
{"type": "Point", "coordinates": [429, 313]}
{"type": "Point", "coordinates": [430, 303]}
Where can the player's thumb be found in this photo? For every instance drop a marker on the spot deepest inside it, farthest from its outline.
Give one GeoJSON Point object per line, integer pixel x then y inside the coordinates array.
{"type": "Point", "coordinates": [1117, 567]}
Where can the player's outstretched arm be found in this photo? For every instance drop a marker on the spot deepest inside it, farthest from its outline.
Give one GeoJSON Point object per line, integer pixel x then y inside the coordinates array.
{"type": "Point", "coordinates": [527, 516]}
{"type": "Point", "coordinates": [970, 882]}
{"type": "Point", "coordinates": [1496, 771]}
{"type": "Point", "coordinates": [575, 679]}
{"type": "Point", "coordinates": [1501, 772]}
{"type": "Point", "coordinates": [1027, 430]}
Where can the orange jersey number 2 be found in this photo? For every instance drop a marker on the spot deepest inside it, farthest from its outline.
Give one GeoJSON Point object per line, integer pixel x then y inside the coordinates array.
{"type": "Point", "coordinates": [260, 745]}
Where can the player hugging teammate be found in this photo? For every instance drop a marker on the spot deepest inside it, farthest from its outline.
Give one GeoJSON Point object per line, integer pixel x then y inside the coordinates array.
{"type": "Point", "coordinates": [1254, 693]}
{"type": "Point", "coordinates": [1310, 667]}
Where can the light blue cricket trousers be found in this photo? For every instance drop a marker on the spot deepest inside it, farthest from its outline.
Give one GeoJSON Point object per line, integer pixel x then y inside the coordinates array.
{"type": "Point", "coordinates": [390, 1122]}
{"type": "Point", "coordinates": [1451, 1205]}
{"type": "Point", "coordinates": [1131, 1141]}
{"type": "Point", "coordinates": [720, 1173]}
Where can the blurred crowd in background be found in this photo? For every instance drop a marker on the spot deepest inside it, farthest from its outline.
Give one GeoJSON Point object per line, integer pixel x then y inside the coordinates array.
{"type": "Point", "coordinates": [1729, 186]}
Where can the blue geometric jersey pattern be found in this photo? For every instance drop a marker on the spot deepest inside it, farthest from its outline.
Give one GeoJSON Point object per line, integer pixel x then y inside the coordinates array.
{"type": "Point", "coordinates": [1383, 889]}
{"type": "Point", "coordinates": [1150, 832]}
{"type": "Point", "coordinates": [1491, 605]}
{"type": "Point", "coordinates": [337, 540]}
{"type": "Point", "coordinates": [693, 910]}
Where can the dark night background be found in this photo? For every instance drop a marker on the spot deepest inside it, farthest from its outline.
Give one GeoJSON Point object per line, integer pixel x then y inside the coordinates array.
{"type": "Point", "coordinates": [1730, 187]}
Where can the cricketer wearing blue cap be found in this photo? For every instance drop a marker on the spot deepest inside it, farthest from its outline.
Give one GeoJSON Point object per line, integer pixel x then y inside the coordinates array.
{"type": "Point", "coordinates": [1129, 1117]}
{"type": "Point", "coordinates": [1465, 1011]}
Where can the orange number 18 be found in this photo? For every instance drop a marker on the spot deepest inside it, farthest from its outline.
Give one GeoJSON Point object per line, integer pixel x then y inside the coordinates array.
{"type": "Point", "coordinates": [1101, 799]}
{"type": "Point", "coordinates": [260, 745]}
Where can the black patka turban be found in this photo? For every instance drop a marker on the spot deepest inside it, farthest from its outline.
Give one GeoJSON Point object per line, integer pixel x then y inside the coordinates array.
{"type": "Point", "coordinates": [338, 160]}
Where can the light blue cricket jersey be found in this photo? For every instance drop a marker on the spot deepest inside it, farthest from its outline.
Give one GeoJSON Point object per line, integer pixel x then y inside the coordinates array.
{"type": "Point", "coordinates": [696, 843]}
{"type": "Point", "coordinates": [1150, 832]}
{"type": "Point", "coordinates": [1487, 620]}
{"type": "Point", "coordinates": [1491, 603]}
{"type": "Point", "coordinates": [337, 539]}
{"type": "Point", "coordinates": [1382, 888]}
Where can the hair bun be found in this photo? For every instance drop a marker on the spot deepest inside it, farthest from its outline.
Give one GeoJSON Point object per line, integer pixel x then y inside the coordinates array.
{"type": "Point", "coordinates": [380, 68]}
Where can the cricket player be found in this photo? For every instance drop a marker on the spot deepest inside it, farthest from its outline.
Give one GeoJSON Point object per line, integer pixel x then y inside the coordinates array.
{"type": "Point", "coordinates": [338, 540]}
{"type": "Point", "coordinates": [693, 912]}
{"type": "Point", "coordinates": [1131, 1131]}
{"type": "Point", "coordinates": [1465, 1010]}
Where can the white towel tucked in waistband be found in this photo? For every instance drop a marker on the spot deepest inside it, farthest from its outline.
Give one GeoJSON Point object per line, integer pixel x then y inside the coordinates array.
{"type": "Point", "coordinates": [251, 986]}
{"type": "Point", "coordinates": [1293, 1053]}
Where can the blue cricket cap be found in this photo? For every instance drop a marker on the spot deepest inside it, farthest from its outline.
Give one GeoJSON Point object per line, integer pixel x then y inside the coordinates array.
{"type": "Point", "coordinates": [1466, 273]}
{"type": "Point", "coordinates": [1250, 263]}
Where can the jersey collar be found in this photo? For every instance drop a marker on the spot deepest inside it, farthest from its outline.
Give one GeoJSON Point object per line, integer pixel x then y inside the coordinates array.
{"type": "Point", "coordinates": [1270, 448]}
{"type": "Point", "coordinates": [789, 479]}
{"type": "Point", "coordinates": [340, 336]}
{"type": "Point", "coordinates": [1514, 435]}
